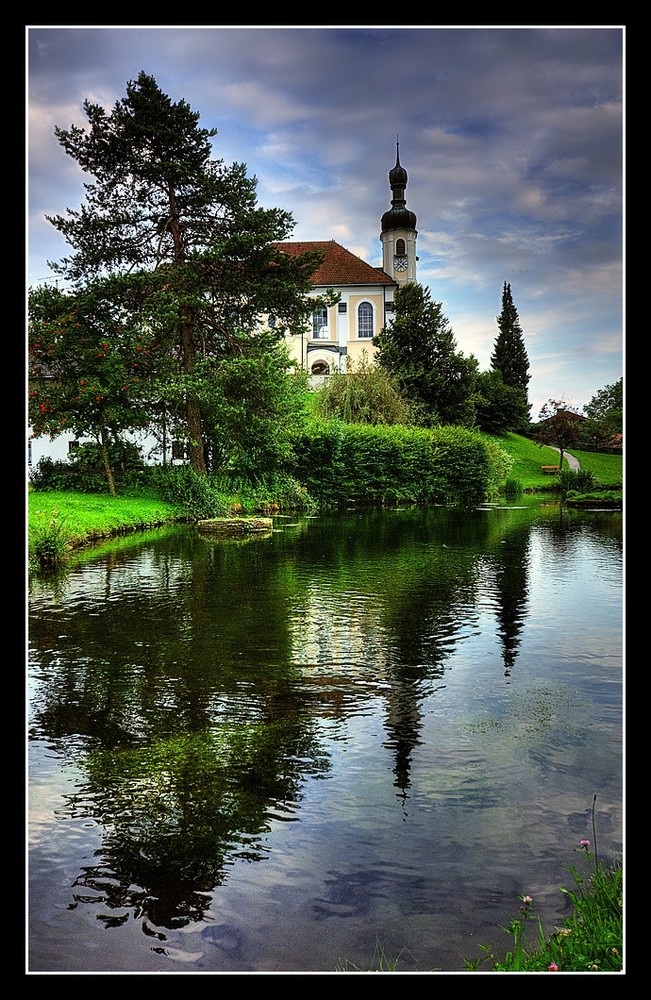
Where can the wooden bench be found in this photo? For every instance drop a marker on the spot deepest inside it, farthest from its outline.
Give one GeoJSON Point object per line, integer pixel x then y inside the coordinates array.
{"type": "Point", "coordinates": [550, 470]}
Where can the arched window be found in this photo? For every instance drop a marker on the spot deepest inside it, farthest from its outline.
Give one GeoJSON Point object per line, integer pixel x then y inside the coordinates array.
{"type": "Point", "coordinates": [365, 319]}
{"type": "Point", "coordinates": [320, 324]}
{"type": "Point", "coordinates": [320, 368]}
{"type": "Point", "coordinates": [400, 248]}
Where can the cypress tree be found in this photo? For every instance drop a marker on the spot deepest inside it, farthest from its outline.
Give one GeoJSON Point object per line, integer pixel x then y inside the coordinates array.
{"type": "Point", "coordinates": [509, 359]}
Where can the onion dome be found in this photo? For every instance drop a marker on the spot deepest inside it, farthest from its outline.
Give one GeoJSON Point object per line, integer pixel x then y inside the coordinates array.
{"type": "Point", "coordinates": [398, 216]}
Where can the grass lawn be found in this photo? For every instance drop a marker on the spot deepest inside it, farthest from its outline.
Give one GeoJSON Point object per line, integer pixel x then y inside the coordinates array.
{"type": "Point", "coordinates": [85, 516]}
{"type": "Point", "coordinates": [528, 457]}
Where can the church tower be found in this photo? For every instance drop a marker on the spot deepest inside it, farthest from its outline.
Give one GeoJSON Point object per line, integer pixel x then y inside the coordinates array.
{"type": "Point", "coordinates": [398, 233]}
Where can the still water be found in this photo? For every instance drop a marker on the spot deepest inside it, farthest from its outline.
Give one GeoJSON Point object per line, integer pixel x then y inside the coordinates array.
{"type": "Point", "coordinates": [372, 727]}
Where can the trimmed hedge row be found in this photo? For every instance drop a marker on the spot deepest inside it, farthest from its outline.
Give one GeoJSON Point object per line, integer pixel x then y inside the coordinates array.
{"type": "Point", "coordinates": [378, 464]}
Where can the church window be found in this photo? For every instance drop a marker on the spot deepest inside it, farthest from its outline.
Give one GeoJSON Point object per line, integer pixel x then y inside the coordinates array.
{"type": "Point", "coordinates": [365, 319]}
{"type": "Point", "coordinates": [320, 323]}
{"type": "Point", "coordinates": [401, 250]}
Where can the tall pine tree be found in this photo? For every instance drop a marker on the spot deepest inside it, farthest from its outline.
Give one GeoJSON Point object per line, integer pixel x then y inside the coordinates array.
{"type": "Point", "coordinates": [181, 237]}
{"type": "Point", "coordinates": [509, 359]}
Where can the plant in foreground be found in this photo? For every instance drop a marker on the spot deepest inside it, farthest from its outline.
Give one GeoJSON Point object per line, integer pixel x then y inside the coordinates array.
{"type": "Point", "coordinates": [49, 541]}
{"type": "Point", "coordinates": [379, 962]}
{"type": "Point", "coordinates": [592, 938]}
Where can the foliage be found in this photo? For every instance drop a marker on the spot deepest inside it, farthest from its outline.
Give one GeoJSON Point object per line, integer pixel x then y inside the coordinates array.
{"type": "Point", "coordinates": [192, 494]}
{"type": "Point", "coordinates": [89, 372]}
{"type": "Point", "coordinates": [268, 495]}
{"type": "Point", "coordinates": [49, 474]}
{"type": "Point", "coordinates": [340, 463]}
{"type": "Point", "coordinates": [499, 407]}
{"type": "Point", "coordinates": [48, 541]}
{"type": "Point", "coordinates": [364, 394]}
{"type": "Point", "coordinates": [579, 481]}
{"type": "Point", "coordinates": [419, 351]}
{"type": "Point", "coordinates": [513, 489]}
{"type": "Point", "coordinates": [607, 407]}
{"type": "Point", "coordinates": [380, 962]}
{"type": "Point", "coordinates": [611, 499]}
{"type": "Point", "coordinates": [509, 358]}
{"type": "Point", "coordinates": [253, 404]}
{"type": "Point", "coordinates": [186, 251]}
{"type": "Point", "coordinates": [591, 939]}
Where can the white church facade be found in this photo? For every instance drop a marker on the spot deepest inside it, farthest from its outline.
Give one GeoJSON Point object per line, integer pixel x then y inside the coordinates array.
{"type": "Point", "coordinates": [345, 330]}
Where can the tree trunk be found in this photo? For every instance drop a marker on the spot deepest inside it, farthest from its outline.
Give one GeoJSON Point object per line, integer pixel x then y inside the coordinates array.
{"type": "Point", "coordinates": [107, 464]}
{"type": "Point", "coordinates": [192, 408]}
{"type": "Point", "coordinates": [195, 447]}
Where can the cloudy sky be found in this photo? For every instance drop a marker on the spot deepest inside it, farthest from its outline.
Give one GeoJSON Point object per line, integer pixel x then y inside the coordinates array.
{"type": "Point", "coordinates": [512, 138]}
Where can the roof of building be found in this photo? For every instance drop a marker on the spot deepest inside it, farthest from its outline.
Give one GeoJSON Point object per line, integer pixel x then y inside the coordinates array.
{"type": "Point", "coordinates": [339, 266]}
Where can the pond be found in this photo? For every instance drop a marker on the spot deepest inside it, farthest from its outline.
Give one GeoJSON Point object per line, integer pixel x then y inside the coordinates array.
{"type": "Point", "coordinates": [366, 729]}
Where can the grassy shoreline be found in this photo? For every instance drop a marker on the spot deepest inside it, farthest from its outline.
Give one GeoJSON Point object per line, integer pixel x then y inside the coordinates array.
{"type": "Point", "coordinates": [64, 521]}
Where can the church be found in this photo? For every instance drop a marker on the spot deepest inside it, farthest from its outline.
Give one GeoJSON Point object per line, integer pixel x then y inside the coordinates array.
{"type": "Point", "coordinates": [345, 330]}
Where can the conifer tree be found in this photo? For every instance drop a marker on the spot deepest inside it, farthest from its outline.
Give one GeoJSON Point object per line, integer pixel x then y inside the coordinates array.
{"type": "Point", "coordinates": [509, 358]}
{"type": "Point", "coordinates": [419, 350]}
{"type": "Point", "coordinates": [180, 236]}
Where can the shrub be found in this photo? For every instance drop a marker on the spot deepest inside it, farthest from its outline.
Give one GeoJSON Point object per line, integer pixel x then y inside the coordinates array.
{"type": "Point", "coordinates": [50, 475]}
{"type": "Point", "coordinates": [513, 489]}
{"type": "Point", "coordinates": [271, 493]}
{"type": "Point", "coordinates": [194, 495]}
{"type": "Point", "coordinates": [84, 470]}
{"type": "Point", "coordinates": [48, 542]}
{"type": "Point", "coordinates": [575, 481]}
{"type": "Point", "coordinates": [362, 463]}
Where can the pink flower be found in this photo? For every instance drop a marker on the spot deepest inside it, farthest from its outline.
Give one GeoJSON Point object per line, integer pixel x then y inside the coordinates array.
{"type": "Point", "coordinates": [552, 967]}
{"type": "Point", "coordinates": [585, 843]}
{"type": "Point", "coordinates": [527, 900]}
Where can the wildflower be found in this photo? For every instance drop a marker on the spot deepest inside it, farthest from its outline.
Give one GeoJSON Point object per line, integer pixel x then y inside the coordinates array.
{"type": "Point", "coordinates": [552, 967]}
{"type": "Point", "coordinates": [585, 844]}
{"type": "Point", "coordinates": [527, 900]}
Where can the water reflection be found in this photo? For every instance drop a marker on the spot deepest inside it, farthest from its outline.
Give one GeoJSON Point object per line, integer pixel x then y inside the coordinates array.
{"type": "Point", "coordinates": [201, 689]}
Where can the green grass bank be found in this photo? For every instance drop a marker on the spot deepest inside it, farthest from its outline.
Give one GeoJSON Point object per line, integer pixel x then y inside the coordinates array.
{"type": "Point", "coordinates": [62, 521]}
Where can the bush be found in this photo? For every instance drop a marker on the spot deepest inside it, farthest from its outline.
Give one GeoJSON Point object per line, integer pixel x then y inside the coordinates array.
{"type": "Point", "coordinates": [360, 463]}
{"type": "Point", "coordinates": [513, 489]}
{"type": "Point", "coordinates": [193, 495]}
{"type": "Point", "coordinates": [84, 471]}
{"type": "Point", "coordinates": [48, 542]}
{"type": "Point", "coordinates": [271, 493]}
{"type": "Point", "coordinates": [48, 475]}
{"type": "Point", "coordinates": [575, 481]}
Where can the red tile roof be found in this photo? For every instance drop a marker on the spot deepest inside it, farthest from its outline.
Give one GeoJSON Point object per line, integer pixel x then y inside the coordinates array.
{"type": "Point", "coordinates": [339, 266]}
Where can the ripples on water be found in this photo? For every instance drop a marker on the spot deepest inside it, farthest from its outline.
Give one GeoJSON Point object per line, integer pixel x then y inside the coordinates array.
{"type": "Point", "coordinates": [267, 756]}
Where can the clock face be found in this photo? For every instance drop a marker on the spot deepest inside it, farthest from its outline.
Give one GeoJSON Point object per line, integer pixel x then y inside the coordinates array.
{"type": "Point", "coordinates": [400, 264]}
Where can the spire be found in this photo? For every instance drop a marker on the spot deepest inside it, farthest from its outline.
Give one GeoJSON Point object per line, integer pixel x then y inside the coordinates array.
{"type": "Point", "coordinates": [398, 216]}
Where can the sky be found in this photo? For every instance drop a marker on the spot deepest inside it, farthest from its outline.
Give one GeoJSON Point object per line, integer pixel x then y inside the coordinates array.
{"type": "Point", "coordinates": [512, 137]}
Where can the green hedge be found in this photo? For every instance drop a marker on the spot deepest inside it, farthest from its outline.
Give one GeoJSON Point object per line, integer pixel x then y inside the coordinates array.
{"type": "Point", "coordinates": [377, 464]}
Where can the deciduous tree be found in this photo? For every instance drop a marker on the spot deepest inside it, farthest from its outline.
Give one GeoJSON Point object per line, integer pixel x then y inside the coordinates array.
{"type": "Point", "coordinates": [560, 426]}
{"type": "Point", "coordinates": [90, 370]}
{"type": "Point", "coordinates": [607, 406]}
{"type": "Point", "coordinates": [364, 393]}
